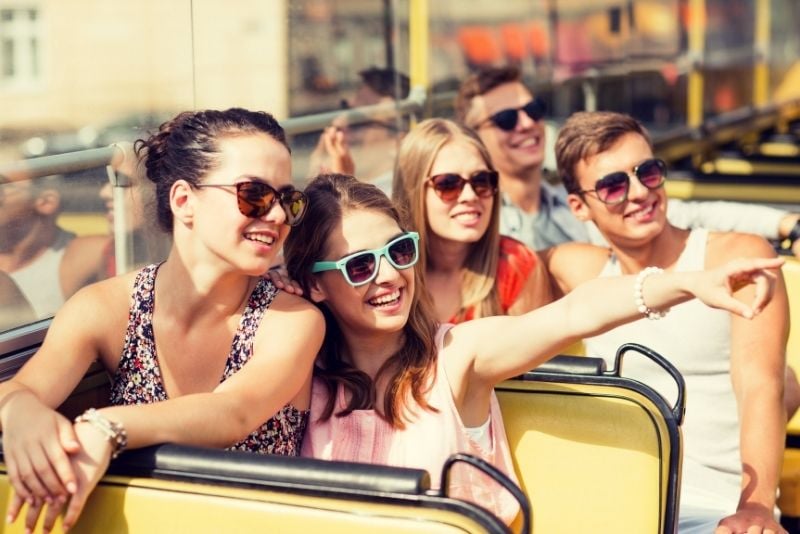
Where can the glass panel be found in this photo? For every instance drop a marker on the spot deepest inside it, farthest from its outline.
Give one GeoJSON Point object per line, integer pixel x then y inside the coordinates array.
{"type": "Point", "coordinates": [94, 74]}
{"type": "Point", "coordinates": [97, 74]}
{"type": "Point", "coordinates": [730, 29]}
{"type": "Point", "coordinates": [466, 34]}
{"type": "Point", "coordinates": [729, 55]}
{"type": "Point", "coordinates": [608, 54]}
{"type": "Point", "coordinates": [784, 49]}
{"type": "Point", "coordinates": [348, 54]}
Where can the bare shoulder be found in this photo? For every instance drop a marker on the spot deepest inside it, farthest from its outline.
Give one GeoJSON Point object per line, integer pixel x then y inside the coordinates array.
{"type": "Point", "coordinates": [91, 324]}
{"type": "Point", "coordinates": [293, 326]}
{"type": "Point", "coordinates": [289, 314]}
{"type": "Point", "coordinates": [100, 303]}
{"type": "Point", "coordinates": [289, 302]}
{"type": "Point", "coordinates": [725, 246]}
{"type": "Point", "coordinates": [571, 264]}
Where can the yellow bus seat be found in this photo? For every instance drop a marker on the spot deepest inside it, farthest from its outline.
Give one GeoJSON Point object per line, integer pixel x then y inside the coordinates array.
{"type": "Point", "coordinates": [789, 496]}
{"type": "Point", "coordinates": [179, 489]}
{"type": "Point", "coordinates": [791, 274]}
{"type": "Point", "coordinates": [594, 451]}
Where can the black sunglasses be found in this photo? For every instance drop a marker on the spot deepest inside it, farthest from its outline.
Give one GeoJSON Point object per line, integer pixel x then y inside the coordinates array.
{"type": "Point", "coordinates": [448, 186]}
{"type": "Point", "coordinates": [255, 199]}
{"type": "Point", "coordinates": [613, 188]}
{"type": "Point", "coordinates": [506, 119]}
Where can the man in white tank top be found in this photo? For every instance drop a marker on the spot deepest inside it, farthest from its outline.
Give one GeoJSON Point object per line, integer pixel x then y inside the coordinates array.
{"type": "Point", "coordinates": [46, 262]}
{"type": "Point", "coordinates": [734, 368]}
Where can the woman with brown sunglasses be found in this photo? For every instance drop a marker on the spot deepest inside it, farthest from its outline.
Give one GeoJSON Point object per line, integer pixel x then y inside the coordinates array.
{"type": "Point", "coordinates": [223, 360]}
{"type": "Point", "coordinates": [445, 181]}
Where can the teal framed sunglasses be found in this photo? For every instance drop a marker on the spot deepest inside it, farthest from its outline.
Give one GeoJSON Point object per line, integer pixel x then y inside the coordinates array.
{"type": "Point", "coordinates": [362, 267]}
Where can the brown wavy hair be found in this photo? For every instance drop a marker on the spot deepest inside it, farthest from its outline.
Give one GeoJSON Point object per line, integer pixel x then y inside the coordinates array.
{"type": "Point", "coordinates": [412, 368]}
{"type": "Point", "coordinates": [414, 162]}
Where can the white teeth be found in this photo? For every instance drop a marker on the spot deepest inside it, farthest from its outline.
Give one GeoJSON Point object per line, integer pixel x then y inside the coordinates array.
{"type": "Point", "coordinates": [385, 299]}
{"type": "Point", "coordinates": [641, 213]}
{"type": "Point", "coordinates": [267, 240]}
{"type": "Point", "coordinates": [528, 142]}
{"type": "Point", "coordinates": [469, 216]}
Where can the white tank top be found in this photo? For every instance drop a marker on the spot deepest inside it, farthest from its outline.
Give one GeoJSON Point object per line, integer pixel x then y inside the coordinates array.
{"type": "Point", "coordinates": [40, 282]}
{"type": "Point", "coordinates": [696, 339]}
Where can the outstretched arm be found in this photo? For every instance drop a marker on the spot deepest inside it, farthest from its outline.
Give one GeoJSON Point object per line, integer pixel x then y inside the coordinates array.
{"type": "Point", "coordinates": [481, 353]}
{"type": "Point", "coordinates": [502, 347]}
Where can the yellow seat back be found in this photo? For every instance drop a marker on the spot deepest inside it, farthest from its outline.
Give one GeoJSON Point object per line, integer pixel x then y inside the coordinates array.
{"type": "Point", "coordinates": [593, 453]}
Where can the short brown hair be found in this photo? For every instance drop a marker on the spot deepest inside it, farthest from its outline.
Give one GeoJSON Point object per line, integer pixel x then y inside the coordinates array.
{"type": "Point", "coordinates": [481, 82]}
{"type": "Point", "coordinates": [586, 134]}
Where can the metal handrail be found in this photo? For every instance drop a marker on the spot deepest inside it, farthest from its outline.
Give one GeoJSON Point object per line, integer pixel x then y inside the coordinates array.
{"type": "Point", "coordinates": [61, 163]}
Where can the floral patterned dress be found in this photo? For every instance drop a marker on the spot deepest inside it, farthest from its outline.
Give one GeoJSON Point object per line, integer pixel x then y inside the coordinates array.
{"type": "Point", "coordinates": [138, 378]}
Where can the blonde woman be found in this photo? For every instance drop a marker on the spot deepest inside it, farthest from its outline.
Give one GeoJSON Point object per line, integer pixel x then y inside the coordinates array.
{"type": "Point", "coordinates": [446, 183]}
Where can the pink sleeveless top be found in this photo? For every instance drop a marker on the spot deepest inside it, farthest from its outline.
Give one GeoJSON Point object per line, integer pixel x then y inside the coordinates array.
{"type": "Point", "coordinates": [426, 442]}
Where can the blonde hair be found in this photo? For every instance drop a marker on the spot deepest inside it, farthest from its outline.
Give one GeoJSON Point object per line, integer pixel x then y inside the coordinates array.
{"type": "Point", "coordinates": [414, 162]}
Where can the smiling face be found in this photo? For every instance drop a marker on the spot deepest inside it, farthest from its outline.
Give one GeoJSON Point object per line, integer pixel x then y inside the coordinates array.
{"type": "Point", "coordinates": [382, 305]}
{"type": "Point", "coordinates": [635, 221]}
{"type": "Point", "coordinates": [248, 243]}
{"type": "Point", "coordinates": [518, 152]}
{"type": "Point", "coordinates": [466, 218]}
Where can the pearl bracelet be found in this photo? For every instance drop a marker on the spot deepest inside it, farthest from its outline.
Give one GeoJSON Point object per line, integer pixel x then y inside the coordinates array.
{"type": "Point", "coordinates": [638, 298]}
{"type": "Point", "coordinates": [112, 430]}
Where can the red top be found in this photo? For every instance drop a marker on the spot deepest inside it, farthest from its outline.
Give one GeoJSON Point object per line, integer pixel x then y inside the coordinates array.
{"type": "Point", "coordinates": [515, 265]}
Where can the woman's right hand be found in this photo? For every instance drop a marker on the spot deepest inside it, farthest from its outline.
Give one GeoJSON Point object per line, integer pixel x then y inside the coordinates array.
{"type": "Point", "coordinates": [90, 464]}
{"type": "Point", "coordinates": [716, 287]}
{"type": "Point", "coordinates": [37, 442]}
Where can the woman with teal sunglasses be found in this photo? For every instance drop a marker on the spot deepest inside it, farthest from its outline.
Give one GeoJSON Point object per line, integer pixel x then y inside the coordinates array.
{"type": "Point", "coordinates": [393, 386]}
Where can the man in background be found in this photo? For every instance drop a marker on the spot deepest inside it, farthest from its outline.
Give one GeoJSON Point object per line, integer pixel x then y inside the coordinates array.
{"type": "Point", "coordinates": [46, 262]}
{"type": "Point", "coordinates": [510, 121]}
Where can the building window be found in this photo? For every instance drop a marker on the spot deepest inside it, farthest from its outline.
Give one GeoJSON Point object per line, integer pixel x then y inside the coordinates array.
{"type": "Point", "coordinates": [20, 50]}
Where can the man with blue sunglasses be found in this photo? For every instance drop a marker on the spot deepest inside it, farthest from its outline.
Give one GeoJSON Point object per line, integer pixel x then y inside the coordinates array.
{"type": "Point", "coordinates": [734, 369]}
{"type": "Point", "coordinates": [510, 121]}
